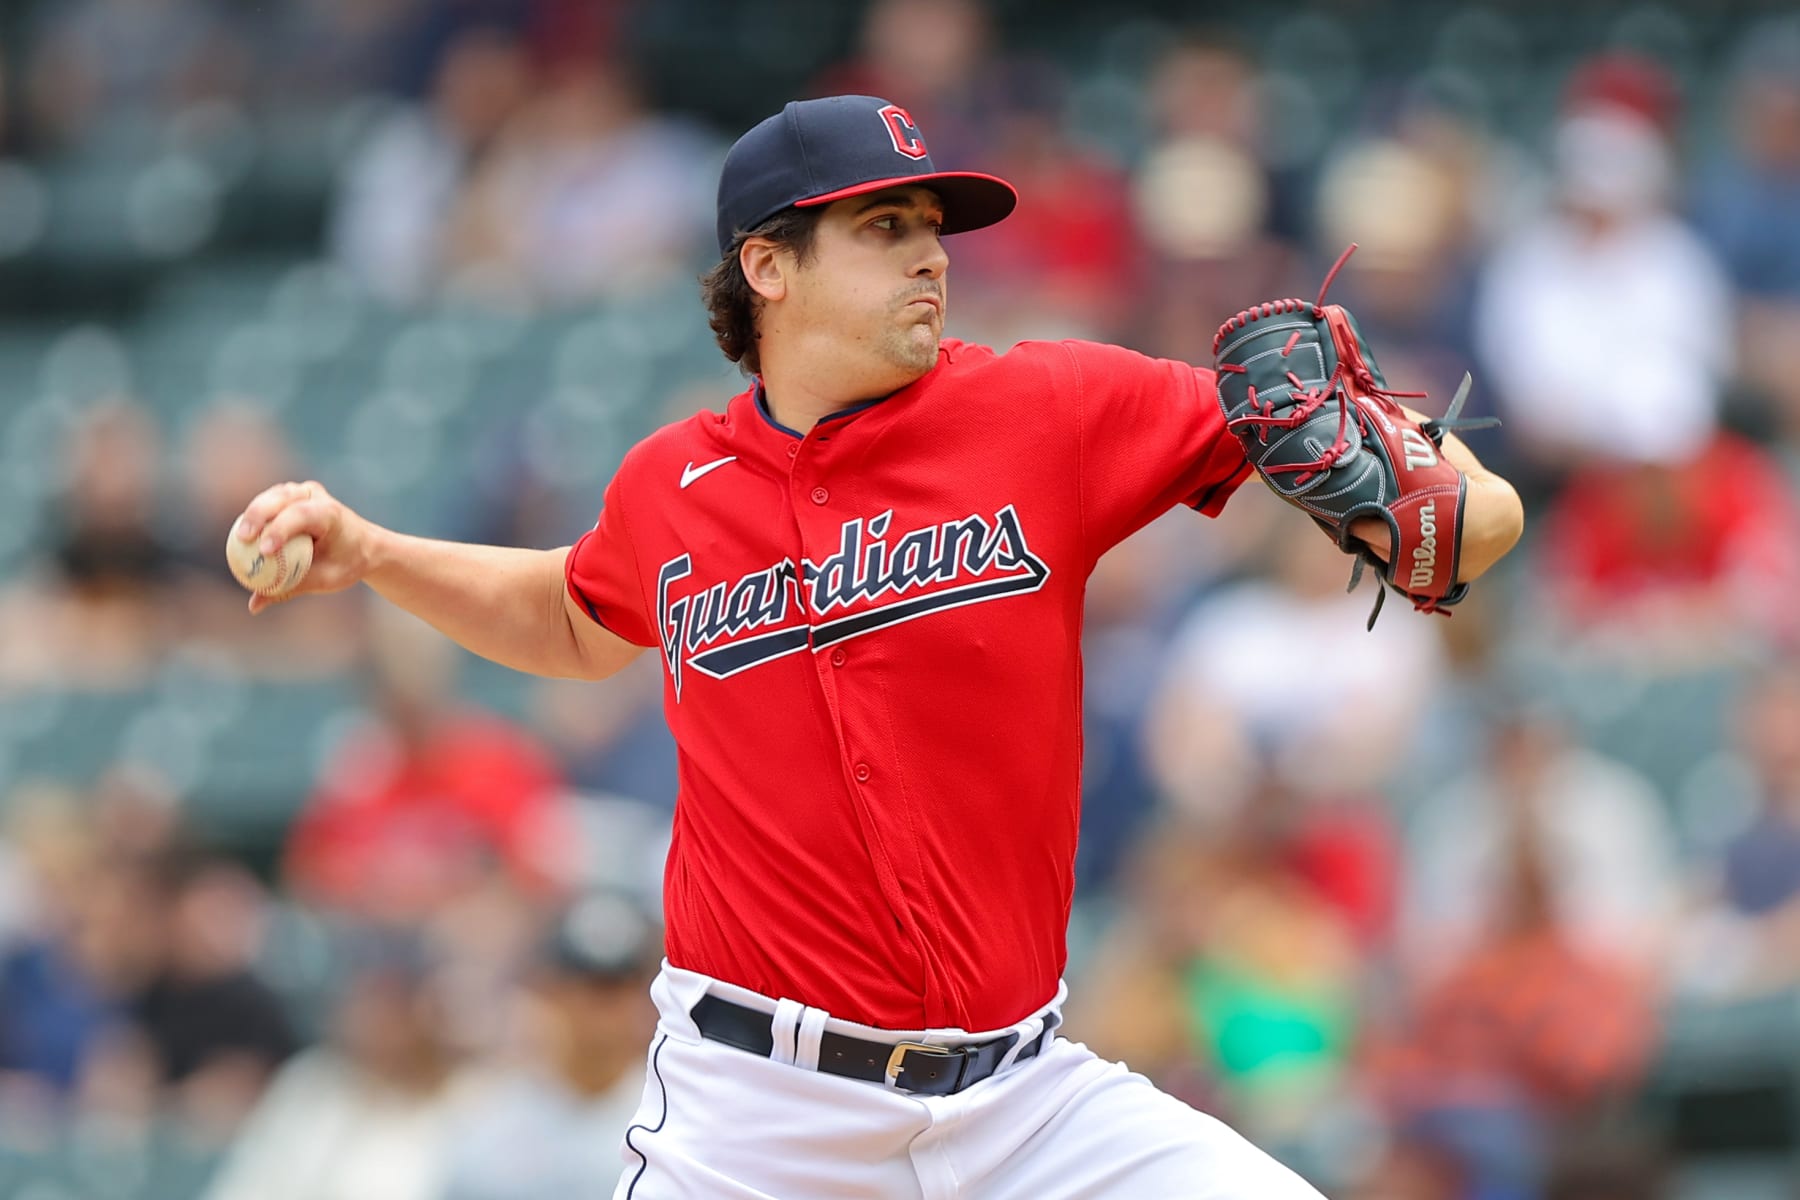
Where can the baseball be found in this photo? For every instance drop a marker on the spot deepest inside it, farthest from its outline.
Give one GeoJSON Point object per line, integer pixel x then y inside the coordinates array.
{"type": "Point", "coordinates": [269, 574]}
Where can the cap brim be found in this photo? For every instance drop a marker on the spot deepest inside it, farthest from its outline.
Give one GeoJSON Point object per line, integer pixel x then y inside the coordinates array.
{"type": "Point", "coordinates": [971, 200]}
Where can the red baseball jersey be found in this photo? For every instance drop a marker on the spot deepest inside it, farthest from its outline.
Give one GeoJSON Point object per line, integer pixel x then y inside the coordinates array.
{"type": "Point", "coordinates": [870, 639]}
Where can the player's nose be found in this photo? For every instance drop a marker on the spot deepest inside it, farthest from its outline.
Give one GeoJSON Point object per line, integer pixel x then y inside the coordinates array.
{"type": "Point", "coordinates": [933, 261]}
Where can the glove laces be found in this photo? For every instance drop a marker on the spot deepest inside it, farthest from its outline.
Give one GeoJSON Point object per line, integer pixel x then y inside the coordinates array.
{"type": "Point", "coordinates": [1304, 400]}
{"type": "Point", "coordinates": [1309, 399]}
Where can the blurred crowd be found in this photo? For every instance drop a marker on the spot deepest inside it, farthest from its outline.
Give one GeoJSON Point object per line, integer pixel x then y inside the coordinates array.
{"type": "Point", "coordinates": [1483, 908]}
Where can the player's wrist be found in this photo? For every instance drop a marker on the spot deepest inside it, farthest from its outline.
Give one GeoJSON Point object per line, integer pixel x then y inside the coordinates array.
{"type": "Point", "coordinates": [378, 549]}
{"type": "Point", "coordinates": [1493, 523]}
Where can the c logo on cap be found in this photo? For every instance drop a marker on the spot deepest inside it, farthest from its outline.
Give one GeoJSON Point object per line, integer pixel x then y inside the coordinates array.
{"type": "Point", "coordinates": [904, 132]}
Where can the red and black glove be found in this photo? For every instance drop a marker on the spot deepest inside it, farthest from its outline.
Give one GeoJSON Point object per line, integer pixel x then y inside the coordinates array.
{"type": "Point", "coordinates": [1301, 391]}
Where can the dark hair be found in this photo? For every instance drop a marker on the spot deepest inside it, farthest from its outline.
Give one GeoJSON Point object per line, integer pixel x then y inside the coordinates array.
{"type": "Point", "coordinates": [732, 304]}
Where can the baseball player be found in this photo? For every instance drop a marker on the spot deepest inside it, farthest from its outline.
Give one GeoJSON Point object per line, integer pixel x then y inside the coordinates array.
{"type": "Point", "coordinates": [865, 580]}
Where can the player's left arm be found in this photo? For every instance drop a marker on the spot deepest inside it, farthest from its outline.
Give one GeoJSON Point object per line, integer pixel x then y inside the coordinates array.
{"type": "Point", "coordinates": [1493, 514]}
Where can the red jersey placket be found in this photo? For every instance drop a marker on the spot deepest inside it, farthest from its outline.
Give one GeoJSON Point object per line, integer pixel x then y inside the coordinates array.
{"type": "Point", "coordinates": [820, 516]}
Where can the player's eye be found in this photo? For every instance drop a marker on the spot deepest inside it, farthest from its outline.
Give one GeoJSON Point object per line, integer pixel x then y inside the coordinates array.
{"type": "Point", "coordinates": [889, 223]}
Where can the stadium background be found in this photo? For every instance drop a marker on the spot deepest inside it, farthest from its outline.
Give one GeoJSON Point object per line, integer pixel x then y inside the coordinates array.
{"type": "Point", "coordinates": [1499, 906]}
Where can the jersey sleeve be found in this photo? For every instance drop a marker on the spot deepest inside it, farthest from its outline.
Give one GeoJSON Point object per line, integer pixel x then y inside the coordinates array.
{"type": "Point", "coordinates": [1150, 436]}
{"type": "Point", "coordinates": [602, 574]}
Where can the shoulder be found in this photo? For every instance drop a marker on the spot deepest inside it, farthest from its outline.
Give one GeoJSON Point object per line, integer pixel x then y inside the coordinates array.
{"type": "Point", "coordinates": [971, 370]}
{"type": "Point", "coordinates": [976, 376]}
{"type": "Point", "coordinates": [961, 358]}
{"type": "Point", "coordinates": [679, 442]}
{"type": "Point", "coordinates": [1072, 360]}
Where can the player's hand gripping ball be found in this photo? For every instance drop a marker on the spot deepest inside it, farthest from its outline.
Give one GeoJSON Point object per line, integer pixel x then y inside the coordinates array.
{"type": "Point", "coordinates": [271, 575]}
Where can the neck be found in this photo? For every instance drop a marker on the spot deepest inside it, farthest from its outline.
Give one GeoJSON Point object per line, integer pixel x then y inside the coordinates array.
{"type": "Point", "coordinates": [791, 402]}
{"type": "Point", "coordinates": [803, 389]}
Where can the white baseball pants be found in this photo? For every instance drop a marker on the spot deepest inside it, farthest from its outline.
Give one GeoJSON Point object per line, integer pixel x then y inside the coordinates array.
{"type": "Point", "coordinates": [720, 1123]}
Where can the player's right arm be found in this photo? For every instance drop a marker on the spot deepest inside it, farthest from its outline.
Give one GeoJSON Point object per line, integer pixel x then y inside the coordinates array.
{"type": "Point", "coordinates": [506, 604]}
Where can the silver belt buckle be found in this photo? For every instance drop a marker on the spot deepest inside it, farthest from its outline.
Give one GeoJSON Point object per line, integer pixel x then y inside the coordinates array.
{"type": "Point", "coordinates": [895, 1065]}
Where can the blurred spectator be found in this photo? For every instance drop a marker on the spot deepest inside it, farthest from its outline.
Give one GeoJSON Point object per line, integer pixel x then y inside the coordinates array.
{"type": "Point", "coordinates": [1532, 1026]}
{"type": "Point", "coordinates": [1262, 672]}
{"type": "Point", "coordinates": [1135, 595]}
{"type": "Point", "coordinates": [1217, 221]}
{"type": "Point", "coordinates": [110, 61]}
{"type": "Point", "coordinates": [1224, 733]}
{"type": "Point", "coordinates": [1746, 198]}
{"type": "Point", "coordinates": [612, 740]}
{"type": "Point", "coordinates": [98, 616]}
{"type": "Point", "coordinates": [51, 1010]}
{"type": "Point", "coordinates": [1687, 556]}
{"type": "Point", "coordinates": [1606, 324]}
{"type": "Point", "coordinates": [934, 58]}
{"type": "Point", "coordinates": [1411, 1170]}
{"type": "Point", "coordinates": [555, 1127]}
{"type": "Point", "coordinates": [1406, 211]}
{"type": "Point", "coordinates": [1420, 201]}
{"type": "Point", "coordinates": [129, 989]}
{"type": "Point", "coordinates": [1746, 940]}
{"type": "Point", "coordinates": [1602, 860]}
{"type": "Point", "coordinates": [397, 194]}
{"type": "Point", "coordinates": [232, 451]}
{"type": "Point", "coordinates": [217, 1031]}
{"type": "Point", "coordinates": [320, 51]}
{"type": "Point", "coordinates": [424, 795]}
{"type": "Point", "coordinates": [1226, 962]}
{"type": "Point", "coordinates": [588, 194]}
{"type": "Point", "coordinates": [368, 1113]}
{"type": "Point", "coordinates": [1599, 1167]}
{"type": "Point", "coordinates": [1068, 262]}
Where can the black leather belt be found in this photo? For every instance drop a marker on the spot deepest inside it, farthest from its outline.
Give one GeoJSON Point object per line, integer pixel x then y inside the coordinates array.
{"type": "Point", "coordinates": [910, 1066]}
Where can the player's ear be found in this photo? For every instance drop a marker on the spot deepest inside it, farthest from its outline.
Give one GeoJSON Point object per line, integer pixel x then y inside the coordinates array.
{"type": "Point", "coordinates": [766, 267]}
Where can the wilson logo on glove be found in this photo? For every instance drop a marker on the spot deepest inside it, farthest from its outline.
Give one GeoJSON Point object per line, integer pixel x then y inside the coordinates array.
{"type": "Point", "coordinates": [1420, 453]}
{"type": "Point", "coordinates": [1425, 554]}
{"type": "Point", "coordinates": [1301, 390]}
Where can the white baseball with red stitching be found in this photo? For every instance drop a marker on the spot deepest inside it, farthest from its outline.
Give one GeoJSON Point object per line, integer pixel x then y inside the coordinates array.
{"type": "Point", "coordinates": [269, 574]}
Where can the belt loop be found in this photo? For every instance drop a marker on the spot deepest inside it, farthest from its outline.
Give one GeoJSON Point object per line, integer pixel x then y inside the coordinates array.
{"type": "Point", "coordinates": [782, 1026]}
{"type": "Point", "coordinates": [1022, 1035]}
{"type": "Point", "coordinates": [806, 1046]}
{"type": "Point", "coordinates": [1044, 1024]}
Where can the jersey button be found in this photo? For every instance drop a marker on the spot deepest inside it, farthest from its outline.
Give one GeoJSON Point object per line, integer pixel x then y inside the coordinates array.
{"type": "Point", "coordinates": [793, 449]}
{"type": "Point", "coordinates": [820, 495]}
{"type": "Point", "coordinates": [863, 772]}
{"type": "Point", "coordinates": [839, 658]}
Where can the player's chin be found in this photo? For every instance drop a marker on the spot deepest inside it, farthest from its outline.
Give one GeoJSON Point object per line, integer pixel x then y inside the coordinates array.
{"type": "Point", "coordinates": [917, 347]}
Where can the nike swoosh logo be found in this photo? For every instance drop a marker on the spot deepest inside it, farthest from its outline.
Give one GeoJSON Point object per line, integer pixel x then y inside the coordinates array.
{"type": "Point", "coordinates": [692, 472]}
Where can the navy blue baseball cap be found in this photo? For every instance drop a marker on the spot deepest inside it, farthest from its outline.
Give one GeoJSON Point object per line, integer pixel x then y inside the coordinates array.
{"type": "Point", "coordinates": [816, 151]}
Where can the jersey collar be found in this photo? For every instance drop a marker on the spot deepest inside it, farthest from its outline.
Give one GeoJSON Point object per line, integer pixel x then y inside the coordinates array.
{"type": "Point", "coordinates": [760, 401]}
{"type": "Point", "coordinates": [760, 398]}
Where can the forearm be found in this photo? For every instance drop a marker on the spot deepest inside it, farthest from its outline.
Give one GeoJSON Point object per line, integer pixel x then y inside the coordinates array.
{"type": "Point", "coordinates": [1493, 516]}
{"type": "Point", "coordinates": [502, 603]}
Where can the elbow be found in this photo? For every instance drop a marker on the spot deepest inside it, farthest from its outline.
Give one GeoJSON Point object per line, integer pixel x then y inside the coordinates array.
{"type": "Point", "coordinates": [589, 660]}
{"type": "Point", "coordinates": [1495, 522]}
{"type": "Point", "coordinates": [592, 669]}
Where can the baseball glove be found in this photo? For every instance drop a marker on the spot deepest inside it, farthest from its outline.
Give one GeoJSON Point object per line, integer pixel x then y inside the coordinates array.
{"type": "Point", "coordinates": [1301, 390]}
